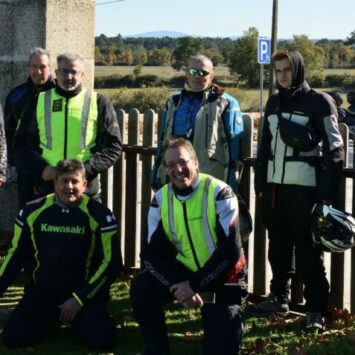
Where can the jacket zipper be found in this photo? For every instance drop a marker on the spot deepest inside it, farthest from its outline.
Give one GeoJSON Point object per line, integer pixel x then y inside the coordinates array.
{"type": "Point", "coordinates": [275, 146]}
{"type": "Point", "coordinates": [66, 129]}
{"type": "Point", "coordinates": [189, 236]}
{"type": "Point", "coordinates": [284, 159]}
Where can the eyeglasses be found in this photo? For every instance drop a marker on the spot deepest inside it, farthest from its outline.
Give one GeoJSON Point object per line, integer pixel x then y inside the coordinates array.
{"type": "Point", "coordinates": [72, 72]}
{"type": "Point", "coordinates": [194, 71]}
{"type": "Point", "coordinates": [182, 163]}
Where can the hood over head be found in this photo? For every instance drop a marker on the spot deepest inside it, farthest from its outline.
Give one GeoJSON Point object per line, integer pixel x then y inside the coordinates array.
{"type": "Point", "coordinates": [297, 63]}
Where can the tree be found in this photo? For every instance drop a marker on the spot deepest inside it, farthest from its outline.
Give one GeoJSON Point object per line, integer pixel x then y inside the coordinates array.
{"type": "Point", "coordinates": [314, 56]}
{"type": "Point", "coordinates": [340, 56]}
{"type": "Point", "coordinates": [243, 59]}
{"type": "Point", "coordinates": [98, 55]}
{"type": "Point", "coordinates": [187, 47]}
{"type": "Point", "coordinates": [159, 57]}
{"type": "Point", "coordinates": [351, 39]}
{"type": "Point", "coordinates": [139, 55]}
{"type": "Point", "coordinates": [126, 57]}
{"type": "Point", "coordinates": [138, 70]}
{"type": "Point", "coordinates": [215, 55]}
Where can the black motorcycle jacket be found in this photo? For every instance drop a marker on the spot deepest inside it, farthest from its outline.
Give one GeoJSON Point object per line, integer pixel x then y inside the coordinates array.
{"type": "Point", "coordinates": [76, 249]}
{"type": "Point", "coordinates": [278, 162]}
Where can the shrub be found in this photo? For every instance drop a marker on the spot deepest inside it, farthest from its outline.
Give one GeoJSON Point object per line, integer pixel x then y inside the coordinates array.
{"type": "Point", "coordinates": [316, 80]}
{"type": "Point", "coordinates": [147, 80]}
{"type": "Point", "coordinates": [107, 82]}
{"type": "Point", "coordinates": [335, 79]}
{"type": "Point", "coordinates": [155, 98]}
{"type": "Point", "coordinates": [248, 99]}
{"type": "Point", "coordinates": [150, 99]}
{"type": "Point", "coordinates": [141, 99]}
{"type": "Point", "coordinates": [100, 63]}
{"type": "Point", "coordinates": [129, 81]}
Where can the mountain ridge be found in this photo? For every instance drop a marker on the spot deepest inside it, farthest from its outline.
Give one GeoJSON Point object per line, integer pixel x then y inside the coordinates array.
{"type": "Point", "coordinates": [171, 34]}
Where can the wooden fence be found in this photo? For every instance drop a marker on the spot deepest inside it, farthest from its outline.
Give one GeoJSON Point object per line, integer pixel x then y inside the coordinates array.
{"type": "Point", "coordinates": [126, 190]}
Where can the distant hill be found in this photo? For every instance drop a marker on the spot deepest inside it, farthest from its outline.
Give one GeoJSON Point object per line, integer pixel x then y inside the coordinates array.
{"type": "Point", "coordinates": [171, 34]}
{"type": "Point", "coordinates": [159, 34]}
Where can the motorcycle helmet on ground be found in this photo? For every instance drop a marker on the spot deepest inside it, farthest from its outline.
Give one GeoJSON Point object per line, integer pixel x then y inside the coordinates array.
{"type": "Point", "coordinates": [351, 97]}
{"type": "Point", "coordinates": [333, 230]}
{"type": "Point", "coordinates": [336, 97]}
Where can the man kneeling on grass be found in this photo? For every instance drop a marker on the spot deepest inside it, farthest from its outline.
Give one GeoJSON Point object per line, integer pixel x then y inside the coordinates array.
{"type": "Point", "coordinates": [193, 250]}
{"type": "Point", "coordinates": [74, 241]}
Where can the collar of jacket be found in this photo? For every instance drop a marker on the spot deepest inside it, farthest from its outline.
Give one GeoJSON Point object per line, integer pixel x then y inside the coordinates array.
{"type": "Point", "coordinates": [288, 94]}
{"type": "Point", "coordinates": [49, 84]}
{"type": "Point", "coordinates": [210, 94]}
{"type": "Point", "coordinates": [189, 190]}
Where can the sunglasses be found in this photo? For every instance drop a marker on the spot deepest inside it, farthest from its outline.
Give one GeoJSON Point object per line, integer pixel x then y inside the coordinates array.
{"type": "Point", "coordinates": [194, 71]}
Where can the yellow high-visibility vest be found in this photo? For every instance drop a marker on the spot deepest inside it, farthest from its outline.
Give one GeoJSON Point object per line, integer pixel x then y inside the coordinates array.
{"type": "Point", "coordinates": [67, 126]}
{"type": "Point", "coordinates": [190, 225]}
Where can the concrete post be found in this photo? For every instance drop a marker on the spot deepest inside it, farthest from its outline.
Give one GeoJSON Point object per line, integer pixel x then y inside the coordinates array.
{"type": "Point", "coordinates": [57, 25]}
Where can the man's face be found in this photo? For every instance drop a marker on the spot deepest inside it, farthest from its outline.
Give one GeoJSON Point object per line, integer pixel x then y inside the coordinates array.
{"type": "Point", "coordinates": [197, 82]}
{"type": "Point", "coordinates": [70, 187]}
{"type": "Point", "coordinates": [283, 71]}
{"type": "Point", "coordinates": [69, 74]}
{"type": "Point", "coordinates": [180, 167]}
{"type": "Point", "coordinates": [39, 69]}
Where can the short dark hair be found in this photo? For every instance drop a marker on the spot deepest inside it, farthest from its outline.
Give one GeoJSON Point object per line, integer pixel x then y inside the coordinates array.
{"type": "Point", "coordinates": [176, 143]}
{"type": "Point", "coordinates": [280, 54]}
{"type": "Point", "coordinates": [69, 166]}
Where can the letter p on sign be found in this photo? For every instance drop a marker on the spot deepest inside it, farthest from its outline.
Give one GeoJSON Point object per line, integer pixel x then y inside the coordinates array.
{"type": "Point", "coordinates": [264, 50]}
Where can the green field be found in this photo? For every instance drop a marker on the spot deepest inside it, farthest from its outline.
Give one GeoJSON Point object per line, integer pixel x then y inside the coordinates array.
{"type": "Point", "coordinates": [164, 72]}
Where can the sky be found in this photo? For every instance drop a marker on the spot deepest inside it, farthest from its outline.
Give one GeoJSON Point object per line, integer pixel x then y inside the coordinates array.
{"type": "Point", "coordinates": [332, 19]}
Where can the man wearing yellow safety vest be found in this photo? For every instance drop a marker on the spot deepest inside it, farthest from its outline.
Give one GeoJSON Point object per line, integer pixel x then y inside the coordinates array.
{"type": "Point", "coordinates": [70, 122]}
{"type": "Point", "coordinates": [193, 254]}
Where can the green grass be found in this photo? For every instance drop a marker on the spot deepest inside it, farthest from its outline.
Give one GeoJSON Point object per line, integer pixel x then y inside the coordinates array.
{"type": "Point", "coordinates": [167, 72]}
{"type": "Point", "coordinates": [221, 72]}
{"type": "Point", "coordinates": [339, 71]}
{"type": "Point", "coordinates": [262, 335]}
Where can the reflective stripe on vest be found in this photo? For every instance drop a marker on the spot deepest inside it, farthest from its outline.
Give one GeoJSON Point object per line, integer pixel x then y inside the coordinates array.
{"type": "Point", "coordinates": [200, 223]}
{"type": "Point", "coordinates": [79, 128]}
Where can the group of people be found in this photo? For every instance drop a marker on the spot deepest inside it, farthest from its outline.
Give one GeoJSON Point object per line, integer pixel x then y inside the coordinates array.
{"type": "Point", "coordinates": [61, 136]}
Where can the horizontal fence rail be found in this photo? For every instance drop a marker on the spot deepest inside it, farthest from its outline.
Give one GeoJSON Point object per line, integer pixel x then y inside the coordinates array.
{"type": "Point", "coordinates": [126, 190]}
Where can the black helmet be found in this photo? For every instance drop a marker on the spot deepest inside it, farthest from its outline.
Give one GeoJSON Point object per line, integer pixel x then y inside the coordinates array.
{"type": "Point", "coordinates": [336, 96]}
{"type": "Point", "coordinates": [351, 97]}
{"type": "Point", "coordinates": [333, 230]}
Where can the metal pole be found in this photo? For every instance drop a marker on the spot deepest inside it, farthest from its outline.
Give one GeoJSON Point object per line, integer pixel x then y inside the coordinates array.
{"type": "Point", "coordinates": [273, 43]}
{"type": "Point", "coordinates": [261, 89]}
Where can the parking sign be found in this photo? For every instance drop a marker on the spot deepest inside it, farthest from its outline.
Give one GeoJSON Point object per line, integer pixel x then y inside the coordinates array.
{"type": "Point", "coordinates": [264, 50]}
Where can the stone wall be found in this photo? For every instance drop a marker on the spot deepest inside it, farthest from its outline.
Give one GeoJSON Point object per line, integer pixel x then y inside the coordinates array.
{"type": "Point", "coordinates": [57, 25]}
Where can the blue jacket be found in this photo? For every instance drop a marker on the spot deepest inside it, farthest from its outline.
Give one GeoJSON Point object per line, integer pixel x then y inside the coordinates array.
{"type": "Point", "coordinates": [212, 121]}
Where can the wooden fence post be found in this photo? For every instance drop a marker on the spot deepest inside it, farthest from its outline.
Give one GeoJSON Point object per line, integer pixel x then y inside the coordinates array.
{"type": "Point", "coordinates": [337, 259]}
{"type": "Point", "coordinates": [149, 123]}
{"type": "Point", "coordinates": [259, 282]}
{"type": "Point", "coordinates": [131, 192]}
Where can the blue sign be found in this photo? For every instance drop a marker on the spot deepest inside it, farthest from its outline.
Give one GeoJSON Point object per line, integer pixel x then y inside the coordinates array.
{"type": "Point", "coordinates": [264, 49]}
